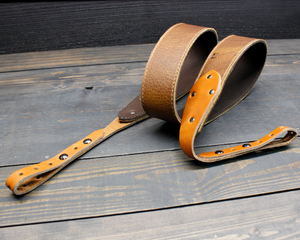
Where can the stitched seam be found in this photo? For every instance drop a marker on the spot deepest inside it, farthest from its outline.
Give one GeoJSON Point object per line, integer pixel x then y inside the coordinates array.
{"type": "Point", "coordinates": [188, 47]}
{"type": "Point", "coordinates": [233, 62]}
{"type": "Point", "coordinates": [150, 62]}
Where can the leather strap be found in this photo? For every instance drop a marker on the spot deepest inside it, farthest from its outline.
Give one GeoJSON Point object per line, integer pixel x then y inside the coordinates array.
{"type": "Point", "coordinates": [196, 41]}
{"type": "Point", "coordinates": [226, 73]}
{"type": "Point", "coordinates": [227, 76]}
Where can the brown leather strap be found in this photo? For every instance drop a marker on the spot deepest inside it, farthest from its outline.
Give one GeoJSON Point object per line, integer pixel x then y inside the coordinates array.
{"type": "Point", "coordinates": [225, 74]}
{"type": "Point", "coordinates": [191, 43]}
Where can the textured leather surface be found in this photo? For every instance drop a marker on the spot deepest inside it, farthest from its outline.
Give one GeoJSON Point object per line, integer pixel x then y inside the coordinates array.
{"type": "Point", "coordinates": [173, 67]}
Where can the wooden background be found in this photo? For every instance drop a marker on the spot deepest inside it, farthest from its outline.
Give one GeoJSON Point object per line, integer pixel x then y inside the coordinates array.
{"type": "Point", "coordinates": [39, 26]}
{"type": "Point", "coordinates": [138, 184]}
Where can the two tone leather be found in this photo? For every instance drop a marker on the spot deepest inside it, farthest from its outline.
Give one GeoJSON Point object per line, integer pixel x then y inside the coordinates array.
{"type": "Point", "coordinates": [185, 57]}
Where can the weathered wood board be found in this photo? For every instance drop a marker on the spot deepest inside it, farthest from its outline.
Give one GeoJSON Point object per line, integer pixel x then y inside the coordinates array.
{"type": "Point", "coordinates": [44, 109]}
{"type": "Point", "coordinates": [271, 217]}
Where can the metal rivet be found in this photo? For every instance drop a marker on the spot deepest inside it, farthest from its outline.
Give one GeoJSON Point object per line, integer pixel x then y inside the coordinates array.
{"type": "Point", "coordinates": [132, 112]}
{"type": "Point", "coordinates": [193, 94]}
{"type": "Point", "coordinates": [38, 177]}
{"type": "Point", "coordinates": [246, 145]}
{"type": "Point", "coordinates": [209, 76]}
{"type": "Point", "coordinates": [232, 149]}
{"type": "Point", "coordinates": [219, 152]}
{"type": "Point", "coordinates": [20, 174]}
{"type": "Point", "coordinates": [50, 163]}
{"type": "Point", "coordinates": [258, 141]}
{"type": "Point", "coordinates": [271, 135]}
{"type": "Point", "coordinates": [36, 168]}
{"type": "Point", "coordinates": [87, 141]}
{"type": "Point", "coordinates": [63, 156]}
{"type": "Point", "coordinates": [212, 91]}
{"type": "Point", "coordinates": [192, 119]}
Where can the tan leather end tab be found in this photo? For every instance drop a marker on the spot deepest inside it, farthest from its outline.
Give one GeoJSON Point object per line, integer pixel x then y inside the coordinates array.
{"type": "Point", "coordinates": [173, 67]}
{"type": "Point", "coordinates": [281, 136]}
{"type": "Point", "coordinates": [29, 178]}
{"type": "Point", "coordinates": [201, 99]}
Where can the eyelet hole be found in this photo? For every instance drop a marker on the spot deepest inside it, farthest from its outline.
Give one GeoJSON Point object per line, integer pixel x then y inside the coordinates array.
{"type": "Point", "coordinates": [193, 94]}
{"type": "Point", "coordinates": [211, 92]}
{"type": "Point", "coordinates": [87, 141]}
{"type": "Point", "coordinates": [192, 119]}
{"type": "Point", "coordinates": [219, 152]}
{"type": "Point", "coordinates": [246, 145]}
{"type": "Point", "coordinates": [209, 76]}
{"type": "Point", "coordinates": [63, 156]}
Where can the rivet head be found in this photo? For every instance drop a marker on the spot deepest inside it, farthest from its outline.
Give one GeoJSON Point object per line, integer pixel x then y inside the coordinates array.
{"type": "Point", "coordinates": [209, 76]}
{"type": "Point", "coordinates": [219, 152]}
{"type": "Point", "coordinates": [193, 94]}
{"type": "Point", "coordinates": [246, 145]}
{"type": "Point", "coordinates": [63, 156]}
{"type": "Point", "coordinates": [192, 119]}
{"type": "Point", "coordinates": [132, 112]}
{"type": "Point", "coordinates": [87, 141]}
{"type": "Point", "coordinates": [211, 91]}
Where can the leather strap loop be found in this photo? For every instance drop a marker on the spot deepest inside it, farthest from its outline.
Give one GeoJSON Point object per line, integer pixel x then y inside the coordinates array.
{"type": "Point", "coordinates": [173, 67]}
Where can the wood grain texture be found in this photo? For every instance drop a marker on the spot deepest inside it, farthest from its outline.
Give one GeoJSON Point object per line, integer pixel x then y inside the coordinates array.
{"type": "Point", "coordinates": [75, 57]}
{"type": "Point", "coordinates": [247, 218]}
{"type": "Point", "coordinates": [108, 55]}
{"type": "Point", "coordinates": [45, 111]}
{"type": "Point", "coordinates": [143, 182]}
{"type": "Point", "coordinates": [39, 26]}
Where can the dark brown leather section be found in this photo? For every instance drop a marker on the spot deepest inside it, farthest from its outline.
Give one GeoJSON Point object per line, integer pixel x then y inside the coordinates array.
{"type": "Point", "coordinates": [132, 111]}
{"type": "Point", "coordinates": [239, 61]}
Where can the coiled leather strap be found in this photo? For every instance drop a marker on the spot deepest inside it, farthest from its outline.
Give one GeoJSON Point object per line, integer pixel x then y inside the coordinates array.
{"type": "Point", "coordinates": [185, 53]}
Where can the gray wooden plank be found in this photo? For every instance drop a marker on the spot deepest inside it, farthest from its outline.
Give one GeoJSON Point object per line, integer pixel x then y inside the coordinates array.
{"type": "Point", "coordinates": [74, 57]}
{"type": "Point", "coordinates": [283, 46]}
{"type": "Point", "coordinates": [141, 182]}
{"type": "Point", "coordinates": [45, 111]}
{"type": "Point", "coordinates": [107, 55]}
{"type": "Point", "coordinates": [248, 218]}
